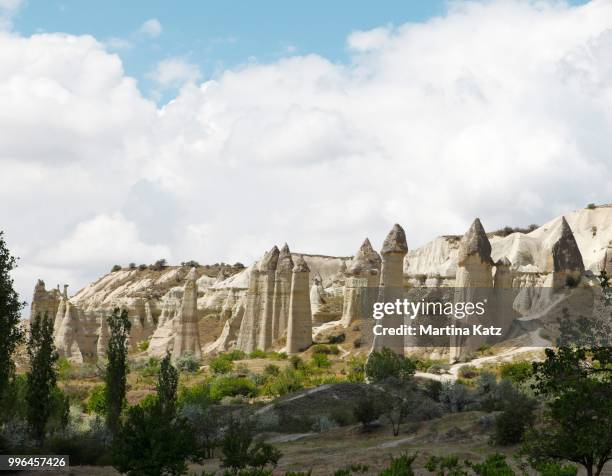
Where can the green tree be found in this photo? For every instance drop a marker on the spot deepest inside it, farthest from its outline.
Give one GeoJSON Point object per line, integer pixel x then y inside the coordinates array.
{"type": "Point", "coordinates": [153, 440]}
{"type": "Point", "coordinates": [42, 377]}
{"type": "Point", "coordinates": [11, 334]}
{"type": "Point", "coordinates": [116, 367]}
{"type": "Point", "coordinates": [578, 426]}
{"type": "Point", "coordinates": [385, 363]}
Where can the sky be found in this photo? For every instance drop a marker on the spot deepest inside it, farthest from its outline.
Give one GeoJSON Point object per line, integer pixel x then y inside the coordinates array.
{"type": "Point", "coordinates": [135, 131]}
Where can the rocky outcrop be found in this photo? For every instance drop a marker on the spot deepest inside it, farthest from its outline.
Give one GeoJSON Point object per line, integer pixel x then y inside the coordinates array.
{"type": "Point", "coordinates": [566, 257]}
{"type": "Point", "coordinates": [299, 327]}
{"type": "Point", "coordinates": [187, 339]}
{"type": "Point", "coordinates": [474, 278]}
{"type": "Point", "coordinates": [103, 336]}
{"type": "Point", "coordinates": [392, 287]}
{"type": "Point", "coordinates": [362, 274]}
{"type": "Point", "coordinates": [229, 335]}
{"type": "Point", "coordinates": [247, 336]}
{"type": "Point", "coordinates": [282, 293]}
{"type": "Point", "coordinates": [44, 302]}
{"type": "Point", "coordinates": [68, 335]}
{"type": "Point", "coordinates": [267, 277]}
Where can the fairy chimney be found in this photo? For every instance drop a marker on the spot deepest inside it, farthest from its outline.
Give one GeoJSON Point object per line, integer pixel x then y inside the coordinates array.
{"type": "Point", "coordinates": [299, 327]}
{"type": "Point", "coordinates": [187, 338]}
{"type": "Point", "coordinates": [567, 259]}
{"type": "Point", "coordinates": [282, 292]}
{"type": "Point", "coordinates": [267, 274]}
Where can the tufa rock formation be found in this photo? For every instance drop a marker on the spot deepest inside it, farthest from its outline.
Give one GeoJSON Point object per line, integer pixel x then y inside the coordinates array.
{"type": "Point", "coordinates": [299, 327]}
{"type": "Point", "coordinates": [363, 273]}
{"type": "Point", "coordinates": [567, 259]}
{"type": "Point", "coordinates": [267, 276]}
{"type": "Point", "coordinates": [187, 339]}
{"type": "Point", "coordinates": [247, 336]}
{"type": "Point", "coordinates": [393, 251]}
{"type": "Point", "coordinates": [282, 292]}
{"type": "Point", "coordinates": [44, 302]}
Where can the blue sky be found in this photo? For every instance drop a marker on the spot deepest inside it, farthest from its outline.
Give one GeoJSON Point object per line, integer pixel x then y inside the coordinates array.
{"type": "Point", "coordinates": [219, 35]}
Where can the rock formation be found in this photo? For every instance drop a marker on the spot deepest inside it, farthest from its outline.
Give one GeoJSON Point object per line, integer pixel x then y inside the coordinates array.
{"type": "Point", "coordinates": [392, 286]}
{"type": "Point", "coordinates": [607, 260]}
{"type": "Point", "coordinates": [362, 274]}
{"type": "Point", "coordinates": [474, 277]}
{"type": "Point", "coordinates": [267, 275]}
{"type": "Point", "coordinates": [299, 327]}
{"type": "Point", "coordinates": [282, 293]}
{"type": "Point", "coordinates": [61, 310]}
{"type": "Point", "coordinates": [44, 302]}
{"type": "Point", "coordinates": [247, 336]}
{"type": "Point", "coordinates": [187, 339]}
{"type": "Point", "coordinates": [103, 336]}
{"type": "Point", "coordinates": [567, 259]}
{"type": "Point", "coordinates": [67, 339]}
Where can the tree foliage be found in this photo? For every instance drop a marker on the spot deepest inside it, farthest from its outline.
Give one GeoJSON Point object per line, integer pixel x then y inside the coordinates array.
{"type": "Point", "coordinates": [116, 367]}
{"type": "Point", "coordinates": [42, 377]}
{"type": "Point", "coordinates": [11, 334]}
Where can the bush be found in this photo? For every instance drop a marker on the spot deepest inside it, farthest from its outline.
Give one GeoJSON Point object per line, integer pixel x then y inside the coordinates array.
{"type": "Point", "coordinates": [400, 466]}
{"type": "Point", "coordinates": [468, 371]}
{"type": "Point", "coordinates": [326, 349]}
{"type": "Point", "coordinates": [197, 395]}
{"type": "Point", "coordinates": [159, 265]}
{"type": "Point", "coordinates": [187, 363]}
{"type": "Point", "coordinates": [227, 386]}
{"type": "Point", "coordinates": [433, 389]}
{"type": "Point", "coordinates": [117, 267]}
{"type": "Point", "coordinates": [220, 365]}
{"type": "Point", "coordinates": [494, 465]}
{"type": "Point", "coordinates": [516, 372]}
{"type": "Point", "coordinates": [97, 400]}
{"type": "Point", "coordinates": [272, 370]}
{"type": "Point", "coordinates": [142, 267]}
{"type": "Point", "coordinates": [233, 355]}
{"type": "Point", "coordinates": [132, 266]}
{"type": "Point", "coordinates": [320, 361]}
{"type": "Point", "coordinates": [151, 367]}
{"type": "Point", "coordinates": [356, 369]}
{"type": "Point", "coordinates": [367, 411]}
{"type": "Point", "coordinates": [296, 362]}
{"type": "Point", "coordinates": [287, 381]}
{"type": "Point", "coordinates": [591, 206]}
{"type": "Point", "coordinates": [277, 355]}
{"type": "Point", "coordinates": [516, 417]}
{"type": "Point", "coordinates": [257, 354]}
{"type": "Point", "coordinates": [143, 346]}
{"type": "Point", "coordinates": [386, 363]}
{"type": "Point", "coordinates": [455, 396]}
{"type": "Point", "coordinates": [190, 264]}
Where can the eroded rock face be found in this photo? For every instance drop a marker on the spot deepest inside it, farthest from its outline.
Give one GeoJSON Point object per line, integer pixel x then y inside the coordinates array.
{"type": "Point", "coordinates": [566, 256]}
{"type": "Point", "coordinates": [393, 251]}
{"type": "Point", "coordinates": [282, 293]}
{"type": "Point", "coordinates": [363, 273]}
{"type": "Point", "coordinates": [187, 339]}
{"type": "Point", "coordinates": [299, 327]}
{"type": "Point", "coordinates": [44, 302]}
{"type": "Point", "coordinates": [247, 336]}
{"type": "Point", "coordinates": [267, 277]}
{"type": "Point", "coordinates": [474, 278]}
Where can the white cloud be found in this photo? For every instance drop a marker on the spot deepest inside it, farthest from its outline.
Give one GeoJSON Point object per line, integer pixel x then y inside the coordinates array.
{"type": "Point", "coordinates": [8, 9]}
{"type": "Point", "coordinates": [174, 72]}
{"type": "Point", "coordinates": [151, 28]}
{"type": "Point", "coordinates": [500, 109]}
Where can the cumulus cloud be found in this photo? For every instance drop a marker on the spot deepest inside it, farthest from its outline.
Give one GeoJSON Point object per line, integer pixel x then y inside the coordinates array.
{"type": "Point", "coordinates": [174, 72]}
{"type": "Point", "coordinates": [498, 109]}
{"type": "Point", "coordinates": [152, 28]}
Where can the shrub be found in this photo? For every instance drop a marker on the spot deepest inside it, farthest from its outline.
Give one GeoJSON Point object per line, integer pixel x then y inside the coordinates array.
{"type": "Point", "coordinates": [220, 365]}
{"type": "Point", "coordinates": [287, 381]}
{"type": "Point", "coordinates": [367, 411]}
{"type": "Point", "coordinates": [591, 206]}
{"type": "Point", "coordinates": [159, 265]}
{"type": "Point", "coordinates": [277, 355]}
{"type": "Point", "coordinates": [494, 465]}
{"type": "Point", "coordinates": [272, 370]}
{"type": "Point", "coordinates": [257, 354]}
{"type": "Point", "coordinates": [97, 401]}
{"type": "Point", "coordinates": [400, 466]}
{"type": "Point", "coordinates": [386, 363]}
{"type": "Point", "coordinates": [511, 424]}
{"type": "Point", "coordinates": [468, 371]}
{"type": "Point", "coordinates": [132, 266]}
{"type": "Point", "coordinates": [337, 339]}
{"type": "Point", "coordinates": [190, 264]}
{"type": "Point", "coordinates": [320, 361]}
{"type": "Point", "coordinates": [197, 395]}
{"type": "Point", "coordinates": [296, 362]}
{"type": "Point", "coordinates": [516, 372]}
{"type": "Point", "coordinates": [187, 363]}
{"type": "Point", "coordinates": [438, 369]}
{"type": "Point", "coordinates": [341, 416]}
{"type": "Point", "coordinates": [326, 349]}
{"type": "Point", "coordinates": [143, 346]}
{"type": "Point", "coordinates": [433, 389]}
{"type": "Point", "coordinates": [142, 267]}
{"type": "Point", "coordinates": [151, 367]}
{"type": "Point", "coordinates": [227, 386]}
{"type": "Point", "coordinates": [553, 468]}
{"type": "Point", "coordinates": [115, 268]}
{"type": "Point", "coordinates": [233, 355]}
{"type": "Point", "coordinates": [455, 396]}
{"type": "Point", "coordinates": [356, 369]}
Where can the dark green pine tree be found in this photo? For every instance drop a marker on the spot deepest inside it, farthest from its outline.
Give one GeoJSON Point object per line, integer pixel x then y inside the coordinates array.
{"type": "Point", "coordinates": [10, 307]}
{"type": "Point", "coordinates": [167, 385]}
{"type": "Point", "coordinates": [42, 377]}
{"type": "Point", "coordinates": [116, 368]}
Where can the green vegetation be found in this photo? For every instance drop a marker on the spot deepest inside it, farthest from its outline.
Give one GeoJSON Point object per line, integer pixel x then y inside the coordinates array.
{"type": "Point", "coordinates": [385, 363]}
{"type": "Point", "coordinates": [116, 367]}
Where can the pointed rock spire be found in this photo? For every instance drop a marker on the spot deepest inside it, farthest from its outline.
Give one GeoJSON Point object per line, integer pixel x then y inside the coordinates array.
{"type": "Point", "coordinates": [475, 242]}
{"type": "Point", "coordinates": [269, 260]}
{"type": "Point", "coordinates": [300, 265]}
{"type": "Point", "coordinates": [285, 262]}
{"type": "Point", "coordinates": [566, 254]}
{"type": "Point", "coordinates": [365, 259]}
{"type": "Point", "coordinates": [395, 242]}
